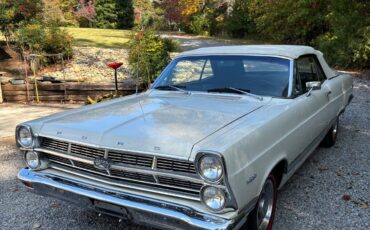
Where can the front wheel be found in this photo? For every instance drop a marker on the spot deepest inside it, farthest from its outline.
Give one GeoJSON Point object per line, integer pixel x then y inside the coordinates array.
{"type": "Point", "coordinates": [262, 216]}
{"type": "Point", "coordinates": [331, 137]}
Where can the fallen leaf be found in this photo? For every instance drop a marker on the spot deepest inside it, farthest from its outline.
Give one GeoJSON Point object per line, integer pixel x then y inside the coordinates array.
{"type": "Point", "coordinates": [36, 226]}
{"type": "Point", "coordinates": [323, 168]}
{"type": "Point", "coordinates": [364, 205]}
{"type": "Point", "coordinates": [55, 205]}
{"type": "Point", "coordinates": [355, 173]}
{"type": "Point", "coordinates": [13, 189]}
{"type": "Point", "coordinates": [346, 197]}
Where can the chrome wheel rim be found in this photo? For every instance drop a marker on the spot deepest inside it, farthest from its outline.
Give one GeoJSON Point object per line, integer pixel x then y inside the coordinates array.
{"type": "Point", "coordinates": [265, 206]}
{"type": "Point", "coordinates": [335, 131]}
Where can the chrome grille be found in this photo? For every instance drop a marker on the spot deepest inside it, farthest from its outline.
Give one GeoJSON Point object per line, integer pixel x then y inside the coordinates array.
{"type": "Point", "coordinates": [58, 159]}
{"type": "Point", "coordinates": [55, 145]}
{"type": "Point", "coordinates": [131, 159]}
{"type": "Point", "coordinates": [148, 162]}
{"type": "Point", "coordinates": [132, 175]}
{"type": "Point", "coordinates": [86, 151]}
{"type": "Point", "coordinates": [180, 183]}
{"type": "Point", "coordinates": [177, 166]}
{"type": "Point", "coordinates": [90, 167]}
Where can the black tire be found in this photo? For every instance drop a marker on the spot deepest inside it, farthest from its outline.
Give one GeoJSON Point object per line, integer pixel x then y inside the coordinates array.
{"type": "Point", "coordinates": [331, 137]}
{"type": "Point", "coordinates": [269, 191]}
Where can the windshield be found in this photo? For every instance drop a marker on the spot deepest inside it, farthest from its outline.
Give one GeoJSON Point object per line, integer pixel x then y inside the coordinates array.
{"type": "Point", "coordinates": [260, 75]}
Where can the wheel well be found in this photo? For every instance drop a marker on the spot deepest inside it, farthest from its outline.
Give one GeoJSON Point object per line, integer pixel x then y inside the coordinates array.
{"type": "Point", "coordinates": [279, 171]}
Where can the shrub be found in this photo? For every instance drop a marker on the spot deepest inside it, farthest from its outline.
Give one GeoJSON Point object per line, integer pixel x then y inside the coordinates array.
{"type": "Point", "coordinates": [199, 25]}
{"type": "Point", "coordinates": [149, 55]}
{"type": "Point", "coordinates": [31, 37]}
{"type": "Point", "coordinates": [206, 20]}
{"type": "Point", "coordinates": [35, 38]}
{"type": "Point", "coordinates": [57, 41]}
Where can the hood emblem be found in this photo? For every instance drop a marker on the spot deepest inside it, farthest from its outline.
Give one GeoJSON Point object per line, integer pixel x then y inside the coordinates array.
{"type": "Point", "coordinates": [102, 163]}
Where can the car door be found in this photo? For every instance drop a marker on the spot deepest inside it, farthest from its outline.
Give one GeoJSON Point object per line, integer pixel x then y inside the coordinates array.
{"type": "Point", "coordinates": [312, 106]}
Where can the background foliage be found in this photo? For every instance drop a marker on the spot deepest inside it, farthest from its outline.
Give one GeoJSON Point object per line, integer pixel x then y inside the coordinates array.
{"type": "Point", "coordinates": [339, 28]}
{"type": "Point", "coordinates": [36, 38]}
{"type": "Point", "coordinates": [149, 54]}
{"type": "Point", "coordinates": [114, 14]}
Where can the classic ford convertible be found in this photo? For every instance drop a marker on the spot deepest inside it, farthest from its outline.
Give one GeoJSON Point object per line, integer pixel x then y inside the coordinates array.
{"type": "Point", "coordinates": [206, 147]}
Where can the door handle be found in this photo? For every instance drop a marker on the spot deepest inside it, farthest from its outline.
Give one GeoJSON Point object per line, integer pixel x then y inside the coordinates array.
{"type": "Point", "coordinates": [328, 95]}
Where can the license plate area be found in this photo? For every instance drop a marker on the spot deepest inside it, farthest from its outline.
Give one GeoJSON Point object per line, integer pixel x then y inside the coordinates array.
{"type": "Point", "coordinates": [112, 209]}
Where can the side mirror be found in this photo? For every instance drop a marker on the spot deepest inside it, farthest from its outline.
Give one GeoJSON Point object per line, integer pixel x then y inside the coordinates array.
{"type": "Point", "coordinates": [312, 85]}
{"type": "Point", "coordinates": [315, 85]}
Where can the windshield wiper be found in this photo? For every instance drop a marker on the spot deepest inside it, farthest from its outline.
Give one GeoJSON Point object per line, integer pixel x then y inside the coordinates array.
{"type": "Point", "coordinates": [180, 88]}
{"type": "Point", "coordinates": [235, 90]}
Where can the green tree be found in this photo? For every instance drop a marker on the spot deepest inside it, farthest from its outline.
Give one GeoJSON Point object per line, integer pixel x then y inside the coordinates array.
{"type": "Point", "coordinates": [290, 21]}
{"type": "Point", "coordinates": [239, 22]}
{"type": "Point", "coordinates": [340, 28]}
{"type": "Point", "coordinates": [114, 14]}
{"type": "Point", "coordinates": [347, 41]}
{"type": "Point", "coordinates": [125, 14]}
{"type": "Point", "coordinates": [68, 7]}
{"type": "Point", "coordinates": [7, 20]}
{"type": "Point", "coordinates": [106, 15]}
{"type": "Point", "coordinates": [52, 12]}
{"type": "Point", "coordinates": [14, 14]}
{"type": "Point", "coordinates": [203, 16]}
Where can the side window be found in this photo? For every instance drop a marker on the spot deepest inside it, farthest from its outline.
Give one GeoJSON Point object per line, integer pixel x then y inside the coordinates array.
{"type": "Point", "coordinates": [308, 69]}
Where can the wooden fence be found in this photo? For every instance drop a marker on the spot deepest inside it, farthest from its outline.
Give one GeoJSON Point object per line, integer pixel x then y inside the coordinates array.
{"type": "Point", "coordinates": [58, 92]}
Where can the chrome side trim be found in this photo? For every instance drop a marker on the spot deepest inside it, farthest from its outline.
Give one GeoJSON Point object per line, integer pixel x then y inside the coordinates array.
{"type": "Point", "coordinates": [145, 210]}
{"type": "Point", "coordinates": [309, 149]}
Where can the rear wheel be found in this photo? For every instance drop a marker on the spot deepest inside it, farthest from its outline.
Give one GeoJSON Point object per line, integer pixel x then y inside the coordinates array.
{"type": "Point", "coordinates": [331, 136]}
{"type": "Point", "coordinates": [262, 216]}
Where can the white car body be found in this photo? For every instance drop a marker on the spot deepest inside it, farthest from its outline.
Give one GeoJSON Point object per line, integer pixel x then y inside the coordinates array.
{"type": "Point", "coordinates": [252, 136]}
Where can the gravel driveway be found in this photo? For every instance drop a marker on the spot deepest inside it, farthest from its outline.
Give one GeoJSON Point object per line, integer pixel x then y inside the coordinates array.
{"type": "Point", "coordinates": [330, 191]}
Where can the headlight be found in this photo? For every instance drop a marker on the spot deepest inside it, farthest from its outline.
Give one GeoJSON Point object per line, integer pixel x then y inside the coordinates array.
{"type": "Point", "coordinates": [213, 198]}
{"type": "Point", "coordinates": [210, 168]}
{"type": "Point", "coordinates": [24, 136]}
{"type": "Point", "coordinates": [32, 159]}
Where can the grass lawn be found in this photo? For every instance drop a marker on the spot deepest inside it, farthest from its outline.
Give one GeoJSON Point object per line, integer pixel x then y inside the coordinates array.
{"type": "Point", "coordinates": [103, 38]}
{"type": "Point", "coordinates": [114, 38]}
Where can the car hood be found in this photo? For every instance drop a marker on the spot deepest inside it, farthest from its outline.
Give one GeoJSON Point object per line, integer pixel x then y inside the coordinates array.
{"type": "Point", "coordinates": [162, 124]}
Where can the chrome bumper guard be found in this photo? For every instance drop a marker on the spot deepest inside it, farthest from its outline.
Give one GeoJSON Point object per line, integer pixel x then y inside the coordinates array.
{"type": "Point", "coordinates": [138, 209]}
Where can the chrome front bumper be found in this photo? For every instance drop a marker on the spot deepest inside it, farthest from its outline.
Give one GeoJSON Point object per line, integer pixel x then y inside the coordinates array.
{"type": "Point", "coordinates": [138, 209]}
